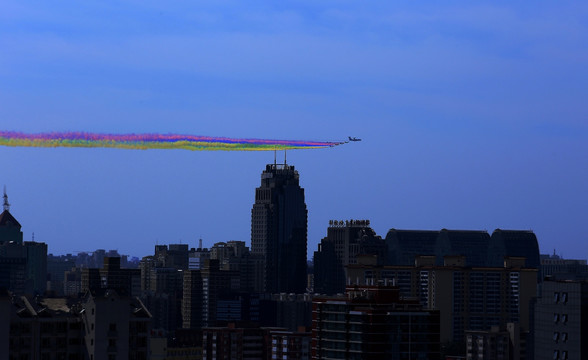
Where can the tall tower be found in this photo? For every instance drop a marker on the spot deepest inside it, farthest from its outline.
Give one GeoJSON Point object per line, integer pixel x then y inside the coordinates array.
{"type": "Point", "coordinates": [279, 229]}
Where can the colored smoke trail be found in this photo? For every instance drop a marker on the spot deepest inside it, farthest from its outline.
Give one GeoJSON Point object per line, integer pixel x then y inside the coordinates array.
{"type": "Point", "coordinates": [153, 141]}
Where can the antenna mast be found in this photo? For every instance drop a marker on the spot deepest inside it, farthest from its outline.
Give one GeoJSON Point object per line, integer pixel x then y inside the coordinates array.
{"type": "Point", "coordinates": [6, 204]}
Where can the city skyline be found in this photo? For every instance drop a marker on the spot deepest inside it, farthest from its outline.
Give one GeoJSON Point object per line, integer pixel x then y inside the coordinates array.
{"type": "Point", "coordinates": [471, 116]}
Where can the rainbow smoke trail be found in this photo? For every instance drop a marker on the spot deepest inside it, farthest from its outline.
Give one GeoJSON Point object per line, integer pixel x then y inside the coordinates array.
{"type": "Point", "coordinates": [153, 141]}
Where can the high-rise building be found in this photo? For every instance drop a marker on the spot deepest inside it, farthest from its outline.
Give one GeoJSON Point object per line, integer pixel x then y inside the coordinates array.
{"type": "Point", "coordinates": [279, 229]}
{"type": "Point", "coordinates": [345, 240]}
{"type": "Point", "coordinates": [36, 267]}
{"type": "Point", "coordinates": [23, 266]}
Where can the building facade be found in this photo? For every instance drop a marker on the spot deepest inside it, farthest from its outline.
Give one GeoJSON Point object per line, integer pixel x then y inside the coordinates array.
{"type": "Point", "coordinates": [373, 322]}
{"type": "Point", "coordinates": [345, 240]}
{"type": "Point", "coordinates": [561, 321]}
{"type": "Point", "coordinates": [468, 298]}
{"type": "Point", "coordinates": [279, 229]}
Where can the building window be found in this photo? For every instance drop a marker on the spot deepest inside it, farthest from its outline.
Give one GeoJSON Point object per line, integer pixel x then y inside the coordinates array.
{"type": "Point", "coordinates": [112, 327]}
{"type": "Point", "coordinates": [564, 297]}
{"type": "Point", "coordinates": [564, 337]}
{"type": "Point", "coordinates": [556, 297]}
{"type": "Point", "coordinates": [564, 318]}
{"type": "Point", "coordinates": [564, 355]}
{"type": "Point", "coordinates": [555, 354]}
{"type": "Point", "coordinates": [555, 318]}
{"type": "Point", "coordinates": [556, 337]}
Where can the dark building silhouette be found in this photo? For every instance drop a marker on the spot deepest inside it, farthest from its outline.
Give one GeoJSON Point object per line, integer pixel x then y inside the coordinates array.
{"type": "Point", "coordinates": [373, 322]}
{"type": "Point", "coordinates": [13, 256]}
{"type": "Point", "coordinates": [112, 276]}
{"type": "Point", "coordinates": [279, 229]}
{"type": "Point", "coordinates": [555, 267]}
{"type": "Point", "coordinates": [345, 240]}
{"type": "Point", "coordinates": [468, 298]}
{"type": "Point", "coordinates": [23, 266]}
{"type": "Point", "coordinates": [172, 255]}
{"type": "Point", "coordinates": [56, 268]}
{"type": "Point", "coordinates": [101, 325]}
{"type": "Point", "coordinates": [478, 247]}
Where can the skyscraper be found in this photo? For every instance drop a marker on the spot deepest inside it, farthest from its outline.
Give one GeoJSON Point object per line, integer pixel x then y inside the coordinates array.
{"type": "Point", "coordinates": [279, 229]}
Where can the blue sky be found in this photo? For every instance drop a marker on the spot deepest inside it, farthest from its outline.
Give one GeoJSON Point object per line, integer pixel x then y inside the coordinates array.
{"type": "Point", "coordinates": [472, 114]}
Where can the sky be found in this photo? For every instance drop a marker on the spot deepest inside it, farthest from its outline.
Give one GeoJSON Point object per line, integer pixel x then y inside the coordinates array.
{"type": "Point", "coordinates": [473, 116]}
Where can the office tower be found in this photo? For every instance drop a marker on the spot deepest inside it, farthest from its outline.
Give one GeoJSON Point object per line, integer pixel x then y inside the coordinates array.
{"type": "Point", "coordinates": [279, 229]}
{"type": "Point", "coordinates": [9, 226]}
{"type": "Point", "coordinates": [36, 267]}
{"type": "Point", "coordinates": [373, 322]}
{"type": "Point", "coordinates": [13, 255]}
{"type": "Point", "coordinates": [561, 320]}
{"type": "Point", "coordinates": [345, 240]}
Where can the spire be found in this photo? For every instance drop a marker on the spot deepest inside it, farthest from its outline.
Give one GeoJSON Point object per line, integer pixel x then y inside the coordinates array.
{"type": "Point", "coordinates": [6, 204]}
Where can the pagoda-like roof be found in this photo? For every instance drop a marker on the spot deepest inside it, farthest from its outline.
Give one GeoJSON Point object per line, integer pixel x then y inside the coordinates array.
{"type": "Point", "coordinates": [7, 220]}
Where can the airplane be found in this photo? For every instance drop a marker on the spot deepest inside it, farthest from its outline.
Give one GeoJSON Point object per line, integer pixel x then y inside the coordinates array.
{"type": "Point", "coordinates": [353, 138]}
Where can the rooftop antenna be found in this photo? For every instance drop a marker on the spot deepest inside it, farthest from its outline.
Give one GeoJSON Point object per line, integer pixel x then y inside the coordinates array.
{"type": "Point", "coordinates": [275, 157]}
{"type": "Point", "coordinates": [200, 243]}
{"type": "Point", "coordinates": [6, 204]}
{"type": "Point", "coordinates": [33, 237]}
{"type": "Point", "coordinates": [285, 157]}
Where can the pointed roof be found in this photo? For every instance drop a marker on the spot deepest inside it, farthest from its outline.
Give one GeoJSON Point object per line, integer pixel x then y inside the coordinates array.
{"type": "Point", "coordinates": [7, 220]}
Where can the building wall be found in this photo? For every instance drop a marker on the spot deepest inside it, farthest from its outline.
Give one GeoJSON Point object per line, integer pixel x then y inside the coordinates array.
{"type": "Point", "coordinates": [372, 322]}
{"type": "Point", "coordinates": [36, 267]}
{"type": "Point", "coordinates": [113, 329]}
{"type": "Point", "coordinates": [561, 322]}
{"type": "Point", "coordinates": [468, 298]}
{"type": "Point", "coordinates": [279, 229]}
